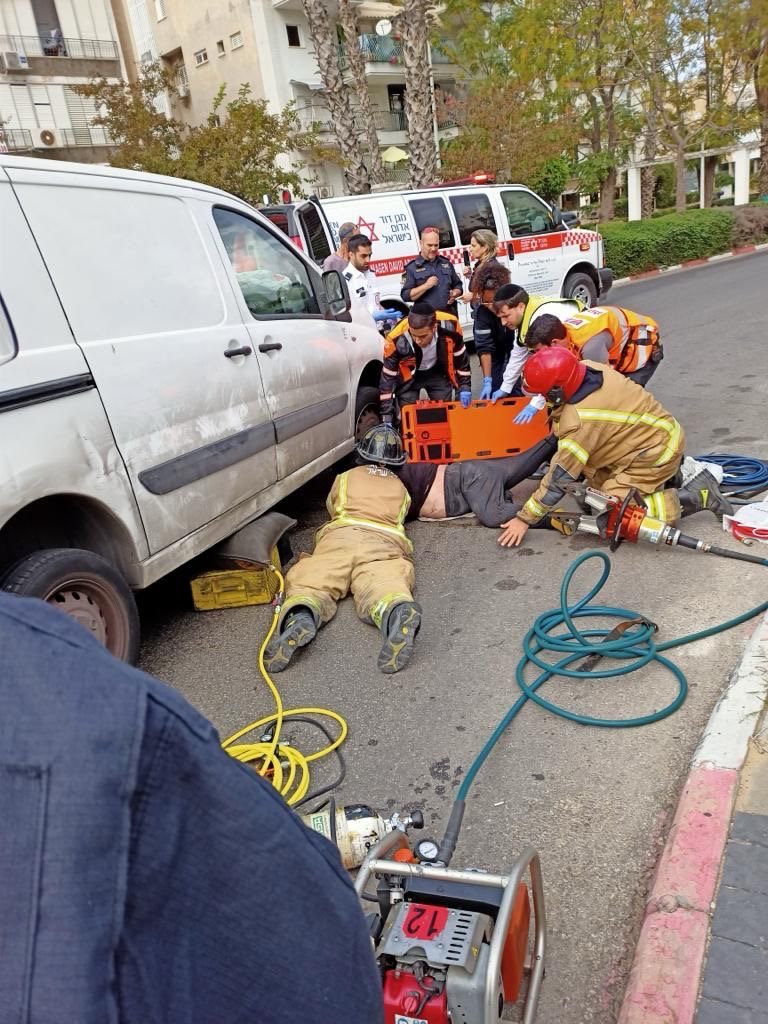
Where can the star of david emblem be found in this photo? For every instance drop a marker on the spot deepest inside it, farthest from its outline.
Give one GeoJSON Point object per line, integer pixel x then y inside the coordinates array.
{"type": "Point", "coordinates": [368, 229]}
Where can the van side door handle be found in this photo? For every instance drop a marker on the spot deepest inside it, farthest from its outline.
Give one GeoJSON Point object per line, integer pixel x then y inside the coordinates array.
{"type": "Point", "coordinates": [242, 350]}
{"type": "Point", "coordinates": [270, 346]}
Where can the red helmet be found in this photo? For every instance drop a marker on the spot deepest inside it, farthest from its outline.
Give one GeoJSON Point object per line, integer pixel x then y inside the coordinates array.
{"type": "Point", "coordinates": [554, 372]}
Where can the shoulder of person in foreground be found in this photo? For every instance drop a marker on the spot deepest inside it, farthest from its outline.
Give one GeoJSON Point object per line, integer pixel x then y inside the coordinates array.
{"type": "Point", "coordinates": [189, 851]}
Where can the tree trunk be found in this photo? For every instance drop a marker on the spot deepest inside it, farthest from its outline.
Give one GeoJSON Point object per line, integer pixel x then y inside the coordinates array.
{"type": "Point", "coordinates": [762, 106]}
{"type": "Point", "coordinates": [348, 21]}
{"type": "Point", "coordinates": [323, 34]}
{"type": "Point", "coordinates": [648, 174]}
{"type": "Point", "coordinates": [608, 195]}
{"type": "Point", "coordinates": [419, 101]}
{"type": "Point", "coordinates": [680, 178]}
{"type": "Point", "coordinates": [707, 186]}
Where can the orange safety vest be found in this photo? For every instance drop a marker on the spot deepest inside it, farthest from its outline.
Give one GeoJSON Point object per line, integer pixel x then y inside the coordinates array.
{"type": "Point", "coordinates": [407, 364]}
{"type": "Point", "coordinates": [634, 336]}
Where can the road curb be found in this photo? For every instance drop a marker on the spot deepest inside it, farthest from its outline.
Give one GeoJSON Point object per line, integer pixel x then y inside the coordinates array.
{"type": "Point", "coordinates": [669, 958]}
{"type": "Point", "coordinates": [743, 250]}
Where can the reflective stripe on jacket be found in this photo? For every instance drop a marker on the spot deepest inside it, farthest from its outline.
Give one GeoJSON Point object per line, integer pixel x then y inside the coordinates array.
{"type": "Point", "coordinates": [402, 358]}
{"type": "Point", "coordinates": [369, 499]}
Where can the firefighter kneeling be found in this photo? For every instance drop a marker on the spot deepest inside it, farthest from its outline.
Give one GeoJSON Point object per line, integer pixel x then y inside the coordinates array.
{"type": "Point", "coordinates": [613, 434]}
{"type": "Point", "coordinates": [363, 549]}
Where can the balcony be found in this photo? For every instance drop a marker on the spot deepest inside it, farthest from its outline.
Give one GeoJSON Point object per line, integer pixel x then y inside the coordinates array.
{"type": "Point", "coordinates": [62, 55]}
{"type": "Point", "coordinates": [14, 140]}
{"type": "Point", "coordinates": [381, 53]}
{"type": "Point", "coordinates": [83, 137]}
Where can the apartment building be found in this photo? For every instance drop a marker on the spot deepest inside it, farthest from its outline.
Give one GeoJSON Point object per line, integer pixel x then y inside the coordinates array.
{"type": "Point", "coordinates": [46, 48]}
{"type": "Point", "coordinates": [207, 43]}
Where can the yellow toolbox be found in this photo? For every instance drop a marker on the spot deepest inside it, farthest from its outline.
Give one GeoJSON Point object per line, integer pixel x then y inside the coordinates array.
{"type": "Point", "coordinates": [235, 588]}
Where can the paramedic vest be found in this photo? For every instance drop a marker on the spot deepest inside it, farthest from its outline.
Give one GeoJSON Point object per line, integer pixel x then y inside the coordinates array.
{"type": "Point", "coordinates": [634, 336]}
{"type": "Point", "coordinates": [447, 327]}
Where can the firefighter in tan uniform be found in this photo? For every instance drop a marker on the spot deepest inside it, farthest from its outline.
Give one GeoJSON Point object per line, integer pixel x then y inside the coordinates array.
{"type": "Point", "coordinates": [614, 435]}
{"type": "Point", "coordinates": [627, 341]}
{"type": "Point", "coordinates": [363, 549]}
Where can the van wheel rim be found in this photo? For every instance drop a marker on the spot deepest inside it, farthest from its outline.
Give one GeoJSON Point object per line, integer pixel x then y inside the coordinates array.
{"type": "Point", "coordinates": [96, 607]}
{"type": "Point", "coordinates": [583, 294]}
{"type": "Point", "coordinates": [368, 418]}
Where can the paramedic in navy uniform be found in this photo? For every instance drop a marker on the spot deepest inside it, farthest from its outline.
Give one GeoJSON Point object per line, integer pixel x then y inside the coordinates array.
{"type": "Point", "coordinates": [431, 277]}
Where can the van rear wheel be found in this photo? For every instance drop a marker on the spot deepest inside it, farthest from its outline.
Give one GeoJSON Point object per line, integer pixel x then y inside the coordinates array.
{"type": "Point", "coordinates": [86, 587]}
{"type": "Point", "coordinates": [367, 413]}
{"type": "Point", "coordinates": [580, 286]}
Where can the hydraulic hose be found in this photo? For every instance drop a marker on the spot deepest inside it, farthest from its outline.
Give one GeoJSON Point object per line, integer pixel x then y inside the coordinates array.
{"type": "Point", "coordinates": [743, 477]}
{"type": "Point", "coordinates": [694, 544]}
{"type": "Point", "coordinates": [632, 643]}
{"type": "Point", "coordinates": [284, 765]}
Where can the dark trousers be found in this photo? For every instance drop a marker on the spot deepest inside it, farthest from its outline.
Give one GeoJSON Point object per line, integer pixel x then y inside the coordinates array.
{"type": "Point", "coordinates": [644, 374]}
{"type": "Point", "coordinates": [481, 485]}
{"type": "Point", "coordinates": [499, 362]}
{"type": "Point", "coordinates": [435, 383]}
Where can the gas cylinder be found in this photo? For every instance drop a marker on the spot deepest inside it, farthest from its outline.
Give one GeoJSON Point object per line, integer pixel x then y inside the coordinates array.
{"type": "Point", "coordinates": [358, 828]}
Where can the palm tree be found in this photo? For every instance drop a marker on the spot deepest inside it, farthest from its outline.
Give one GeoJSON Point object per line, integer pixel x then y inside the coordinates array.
{"type": "Point", "coordinates": [348, 22]}
{"type": "Point", "coordinates": [324, 39]}
{"type": "Point", "coordinates": [413, 26]}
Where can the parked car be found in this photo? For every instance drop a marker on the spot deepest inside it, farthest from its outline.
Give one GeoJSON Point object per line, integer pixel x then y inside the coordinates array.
{"type": "Point", "coordinates": [171, 366]}
{"type": "Point", "coordinates": [545, 253]}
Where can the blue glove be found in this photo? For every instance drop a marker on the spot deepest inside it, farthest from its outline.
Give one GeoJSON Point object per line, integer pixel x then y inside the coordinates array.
{"type": "Point", "coordinates": [527, 414]}
{"type": "Point", "coordinates": [501, 393]}
{"type": "Point", "coordinates": [465, 397]}
{"type": "Point", "coordinates": [487, 388]}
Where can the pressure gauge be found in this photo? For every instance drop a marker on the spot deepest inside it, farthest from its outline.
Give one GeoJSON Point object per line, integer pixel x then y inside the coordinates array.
{"type": "Point", "coordinates": [426, 850]}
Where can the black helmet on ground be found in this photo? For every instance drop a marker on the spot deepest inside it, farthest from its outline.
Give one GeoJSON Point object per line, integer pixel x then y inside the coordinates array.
{"type": "Point", "coordinates": [382, 445]}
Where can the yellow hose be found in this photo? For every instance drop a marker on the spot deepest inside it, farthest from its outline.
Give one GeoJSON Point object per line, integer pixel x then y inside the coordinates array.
{"type": "Point", "coordinates": [289, 768]}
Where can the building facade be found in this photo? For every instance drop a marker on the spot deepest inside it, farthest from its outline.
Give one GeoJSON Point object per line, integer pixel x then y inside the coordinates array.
{"type": "Point", "coordinates": [46, 48]}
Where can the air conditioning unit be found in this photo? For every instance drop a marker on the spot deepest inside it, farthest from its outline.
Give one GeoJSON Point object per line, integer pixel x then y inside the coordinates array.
{"type": "Point", "coordinates": [12, 61]}
{"type": "Point", "coordinates": [324, 192]}
{"type": "Point", "coordinates": [183, 90]}
{"type": "Point", "coordinates": [47, 138]}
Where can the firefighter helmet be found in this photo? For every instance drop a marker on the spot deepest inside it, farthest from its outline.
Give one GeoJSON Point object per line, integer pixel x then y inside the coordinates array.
{"type": "Point", "coordinates": [555, 373]}
{"type": "Point", "coordinates": [382, 444]}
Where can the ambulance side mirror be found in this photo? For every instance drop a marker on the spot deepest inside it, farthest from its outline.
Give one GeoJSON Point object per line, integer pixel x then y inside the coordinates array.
{"type": "Point", "coordinates": [557, 217]}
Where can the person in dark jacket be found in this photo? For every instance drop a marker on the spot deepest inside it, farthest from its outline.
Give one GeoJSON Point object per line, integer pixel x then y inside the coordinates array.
{"type": "Point", "coordinates": [430, 277]}
{"type": "Point", "coordinates": [425, 350]}
{"type": "Point", "coordinates": [146, 875]}
{"type": "Point", "coordinates": [493, 342]}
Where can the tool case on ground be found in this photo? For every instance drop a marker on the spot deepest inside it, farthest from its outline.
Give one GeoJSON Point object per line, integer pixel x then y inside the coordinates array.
{"type": "Point", "coordinates": [445, 432]}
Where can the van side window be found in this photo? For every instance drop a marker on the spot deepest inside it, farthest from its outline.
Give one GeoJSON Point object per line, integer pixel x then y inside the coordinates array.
{"type": "Point", "coordinates": [526, 214]}
{"type": "Point", "coordinates": [314, 232]}
{"type": "Point", "coordinates": [274, 282]}
{"type": "Point", "coordinates": [7, 337]}
{"type": "Point", "coordinates": [472, 211]}
{"type": "Point", "coordinates": [432, 213]}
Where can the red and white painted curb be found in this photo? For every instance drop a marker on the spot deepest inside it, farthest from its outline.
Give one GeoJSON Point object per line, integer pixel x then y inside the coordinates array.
{"type": "Point", "coordinates": [743, 250]}
{"type": "Point", "coordinates": [669, 959]}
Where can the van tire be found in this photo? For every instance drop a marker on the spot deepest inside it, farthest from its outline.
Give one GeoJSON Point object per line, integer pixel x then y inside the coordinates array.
{"type": "Point", "coordinates": [367, 412]}
{"type": "Point", "coordinates": [580, 286]}
{"type": "Point", "coordinates": [86, 587]}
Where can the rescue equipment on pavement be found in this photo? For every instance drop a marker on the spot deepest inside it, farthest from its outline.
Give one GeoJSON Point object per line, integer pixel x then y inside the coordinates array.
{"type": "Point", "coordinates": [618, 520]}
{"type": "Point", "coordinates": [356, 828]}
{"type": "Point", "coordinates": [442, 432]}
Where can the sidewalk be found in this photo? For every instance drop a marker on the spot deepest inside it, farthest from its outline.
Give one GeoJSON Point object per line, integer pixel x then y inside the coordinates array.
{"type": "Point", "coordinates": [702, 954]}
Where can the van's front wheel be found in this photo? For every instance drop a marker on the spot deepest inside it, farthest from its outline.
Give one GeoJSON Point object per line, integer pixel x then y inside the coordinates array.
{"type": "Point", "coordinates": [85, 586]}
{"type": "Point", "coordinates": [367, 412]}
{"type": "Point", "coordinates": [580, 286]}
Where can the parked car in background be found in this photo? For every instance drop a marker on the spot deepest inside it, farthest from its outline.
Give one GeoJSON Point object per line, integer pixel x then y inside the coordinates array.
{"type": "Point", "coordinates": [171, 366]}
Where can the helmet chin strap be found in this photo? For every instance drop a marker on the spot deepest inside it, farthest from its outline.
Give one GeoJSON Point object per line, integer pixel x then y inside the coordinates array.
{"type": "Point", "coordinates": [555, 397]}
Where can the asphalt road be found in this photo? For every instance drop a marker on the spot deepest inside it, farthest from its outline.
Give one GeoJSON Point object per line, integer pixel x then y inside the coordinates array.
{"type": "Point", "coordinates": [595, 802]}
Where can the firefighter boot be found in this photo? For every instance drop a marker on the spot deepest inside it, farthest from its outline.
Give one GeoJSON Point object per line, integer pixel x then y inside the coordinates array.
{"type": "Point", "coordinates": [399, 626]}
{"type": "Point", "coordinates": [703, 492]}
{"type": "Point", "coordinates": [297, 631]}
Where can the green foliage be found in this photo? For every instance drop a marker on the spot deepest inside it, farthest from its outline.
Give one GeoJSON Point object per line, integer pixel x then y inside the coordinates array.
{"type": "Point", "coordinates": [723, 179]}
{"type": "Point", "coordinates": [665, 241]}
{"type": "Point", "coordinates": [750, 224]}
{"type": "Point", "coordinates": [236, 148]}
{"type": "Point", "coordinates": [592, 171]}
{"type": "Point", "coordinates": [664, 190]}
{"type": "Point", "coordinates": [552, 177]}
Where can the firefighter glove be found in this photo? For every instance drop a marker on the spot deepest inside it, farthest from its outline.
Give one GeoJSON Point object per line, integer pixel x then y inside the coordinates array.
{"type": "Point", "coordinates": [465, 397]}
{"type": "Point", "coordinates": [501, 393]}
{"type": "Point", "coordinates": [487, 388]}
{"type": "Point", "coordinates": [527, 414]}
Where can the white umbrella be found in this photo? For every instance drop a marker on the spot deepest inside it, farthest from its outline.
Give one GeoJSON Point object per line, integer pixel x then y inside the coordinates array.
{"type": "Point", "coordinates": [393, 155]}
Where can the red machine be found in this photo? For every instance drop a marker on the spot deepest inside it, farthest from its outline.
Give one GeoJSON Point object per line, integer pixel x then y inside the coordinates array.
{"type": "Point", "coordinates": [443, 432]}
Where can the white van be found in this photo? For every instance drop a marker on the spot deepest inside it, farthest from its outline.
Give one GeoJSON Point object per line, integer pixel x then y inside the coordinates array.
{"type": "Point", "coordinates": [170, 367]}
{"type": "Point", "coordinates": [544, 255]}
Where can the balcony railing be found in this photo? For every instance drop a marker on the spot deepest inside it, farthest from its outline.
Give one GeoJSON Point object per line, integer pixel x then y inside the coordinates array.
{"type": "Point", "coordinates": [386, 50]}
{"type": "Point", "coordinates": [390, 120]}
{"type": "Point", "coordinates": [13, 139]}
{"type": "Point", "coordinates": [60, 46]}
{"type": "Point", "coordinates": [385, 120]}
{"type": "Point", "coordinates": [83, 137]}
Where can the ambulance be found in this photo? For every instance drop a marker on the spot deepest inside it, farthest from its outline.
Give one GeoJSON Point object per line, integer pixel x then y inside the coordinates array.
{"type": "Point", "coordinates": [545, 256]}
